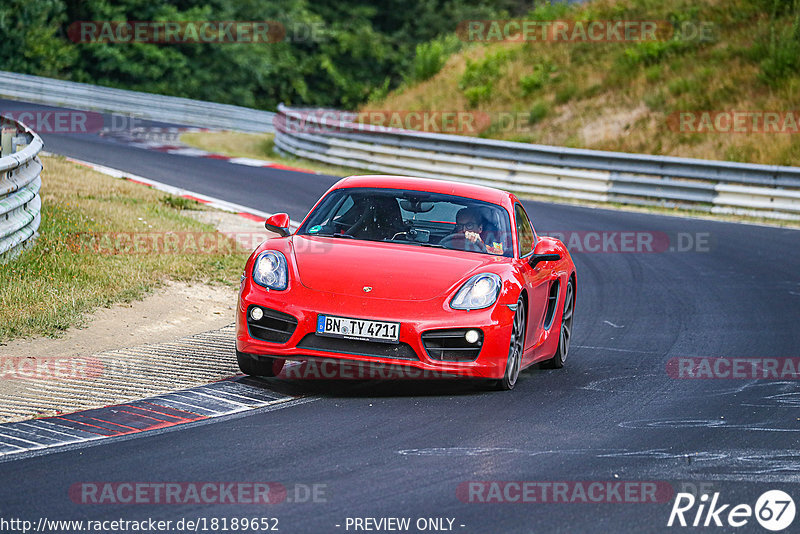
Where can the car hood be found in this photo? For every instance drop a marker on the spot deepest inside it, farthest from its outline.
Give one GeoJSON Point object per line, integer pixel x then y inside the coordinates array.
{"type": "Point", "coordinates": [391, 270]}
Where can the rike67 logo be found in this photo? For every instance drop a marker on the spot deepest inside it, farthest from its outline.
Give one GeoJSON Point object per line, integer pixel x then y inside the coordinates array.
{"type": "Point", "coordinates": [774, 510]}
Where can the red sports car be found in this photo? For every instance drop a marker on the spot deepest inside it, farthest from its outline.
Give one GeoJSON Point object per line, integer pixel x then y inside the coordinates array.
{"type": "Point", "coordinates": [427, 274]}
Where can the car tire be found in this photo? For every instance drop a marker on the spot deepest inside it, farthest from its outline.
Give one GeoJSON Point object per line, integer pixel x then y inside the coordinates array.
{"type": "Point", "coordinates": [515, 349]}
{"type": "Point", "coordinates": [259, 365]}
{"type": "Point", "coordinates": [565, 330]}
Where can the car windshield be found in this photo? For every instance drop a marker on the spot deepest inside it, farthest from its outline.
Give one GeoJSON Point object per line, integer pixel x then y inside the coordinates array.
{"type": "Point", "coordinates": [413, 218]}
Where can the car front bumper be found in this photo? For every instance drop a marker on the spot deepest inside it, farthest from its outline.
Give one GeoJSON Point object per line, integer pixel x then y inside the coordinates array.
{"type": "Point", "coordinates": [415, 318]}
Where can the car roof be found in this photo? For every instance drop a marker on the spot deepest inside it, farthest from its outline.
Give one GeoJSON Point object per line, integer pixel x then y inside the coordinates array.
{"type": "Point", "coordinates": [478, 192]}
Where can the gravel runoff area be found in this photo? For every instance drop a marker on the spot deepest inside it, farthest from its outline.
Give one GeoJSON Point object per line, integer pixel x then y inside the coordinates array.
{"type": "Point", "coordinates": [53, 385]}
{"type": "Point", "coordinates": [181, 336]}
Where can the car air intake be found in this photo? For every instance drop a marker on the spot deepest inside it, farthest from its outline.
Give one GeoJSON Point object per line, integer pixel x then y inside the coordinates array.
{"type": "Point", "coordinates": [273, 326]}
{"type": "Point", "coordinates": [552, 300]}
{"type": "Point", "coordinates": [452, 345]}
{"type": "Point", "coordinates": [399, 351]}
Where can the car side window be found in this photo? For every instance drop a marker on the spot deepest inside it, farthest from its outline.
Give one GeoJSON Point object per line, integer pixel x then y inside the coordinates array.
{"type": "Point", "coordinates": [525, 234]}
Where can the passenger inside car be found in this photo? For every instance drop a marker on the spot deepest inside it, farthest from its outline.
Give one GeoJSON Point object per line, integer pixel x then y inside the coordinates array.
{"type": "Point", "coordinates": [380, 218]}
{"type": "Point", "coordinates": [495, 240]}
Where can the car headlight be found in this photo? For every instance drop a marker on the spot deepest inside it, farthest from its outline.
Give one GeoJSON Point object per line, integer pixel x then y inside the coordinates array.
{"type": "Point", "coordinates": [270, 271]}
{"type": "Point", "coordinates": [480, 291]}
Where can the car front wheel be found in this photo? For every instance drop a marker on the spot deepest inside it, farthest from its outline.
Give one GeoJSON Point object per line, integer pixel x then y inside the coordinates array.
{"type": "Point", "coordinates": [516, 345]}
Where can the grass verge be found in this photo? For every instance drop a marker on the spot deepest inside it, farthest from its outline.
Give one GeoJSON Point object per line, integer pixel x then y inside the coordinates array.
{"type": "Point", "coordinates": [256, 146]}
{"type": "Point", "coordinates": [79, 263]}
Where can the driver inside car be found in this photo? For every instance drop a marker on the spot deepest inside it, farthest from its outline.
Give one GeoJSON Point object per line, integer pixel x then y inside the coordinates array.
{"type": "Point", "coordinates": [469, 224]}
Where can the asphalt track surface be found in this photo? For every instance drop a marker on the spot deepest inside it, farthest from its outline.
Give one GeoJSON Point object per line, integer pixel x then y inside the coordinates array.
{"type": "Point", "coordinates": [401, 449]}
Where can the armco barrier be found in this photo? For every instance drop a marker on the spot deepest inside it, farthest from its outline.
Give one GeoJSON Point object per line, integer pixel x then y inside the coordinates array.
{"type": "Point", "coordinates": [20, 181]}
{"type": "Point", "coordinates": [713, 186]}
{"type": "Point", "coordinates": [154, 107]}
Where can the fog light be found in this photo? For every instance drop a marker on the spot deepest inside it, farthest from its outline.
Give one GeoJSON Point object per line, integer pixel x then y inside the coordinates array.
{"type": "Point", "coordinates": [256, 313]}
{"type": "Point", "coordinates": [471, 336]}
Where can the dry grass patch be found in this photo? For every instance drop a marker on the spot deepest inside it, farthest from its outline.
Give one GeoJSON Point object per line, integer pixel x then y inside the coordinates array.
{"type": "Point", "coordinates": [256, 146]}
{"type": "Point", "coordinates": [234, 144]}
{"type": "Point", "coordinates": [62, 278]}
{"type": "Point", "coordinates": [619, 96]}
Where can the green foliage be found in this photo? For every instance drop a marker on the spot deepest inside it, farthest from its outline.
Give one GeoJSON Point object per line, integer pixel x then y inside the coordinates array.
{"type": "Point", "coordinates": [565, 94]}
{"type": "Point", "coordinates": [430, 57]}
{"type": "Point", "coordinates": [656, 100]}
{"type": "Point", "coordinates": [740, 153]}
{"type": "Point", "coordinates": [480, 93]}
{"type": "Point", "coordinates": [653, 73]}
{"type": "Point", "coordinates": [29, 40]}
{"type": "Point", "coordinates": [688, 35]}
{"type": "Point", "coordinates": [336, 53]}
{"type": "Point", "coordinates": [341, 53]}
{"type": "Point", "coordinates": [652, 52]}
{"type": "Point", "coordinates": [779, 46]}
{"type": "Point", "coordinates": [379, 93]}
{"type": "Point", "coordinates": [679, 86]}
{"type": "Point", "coordinates": [179, 203]}
{"type": "Point", "coordinates": [538, 79]}
{"type": "Point", "coordinates": [538, 112]}
{"type": "Point", "coordinates": [547, 11]}
{"type": "Point", "coordinates": [477, 81]}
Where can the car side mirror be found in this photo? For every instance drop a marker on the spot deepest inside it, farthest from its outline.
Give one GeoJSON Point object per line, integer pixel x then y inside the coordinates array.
{"type": "Point", "coordinates": [544, 251]}
{"type": "Point", "coordinates": [278, 223]}
{"type": "Point", "coordinates": [533, 259]}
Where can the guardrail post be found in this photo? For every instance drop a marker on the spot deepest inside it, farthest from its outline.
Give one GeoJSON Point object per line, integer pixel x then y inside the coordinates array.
{"type": "Point", "coordinates": [6, 140]}
{"type": "Point", "coordinates": [20, 182]}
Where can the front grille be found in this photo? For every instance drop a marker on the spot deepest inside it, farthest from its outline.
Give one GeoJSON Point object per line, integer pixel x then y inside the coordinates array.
{"type": "Point", "coordinates": [399, 351]}
{"type": "Point", "coordinates": [451, 346]}
{"type": "Point", "coordinates": [275, 326]}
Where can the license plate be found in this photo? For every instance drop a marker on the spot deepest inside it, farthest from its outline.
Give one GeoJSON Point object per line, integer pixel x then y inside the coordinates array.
{"type": "Point", "coordinates": [359, 329]}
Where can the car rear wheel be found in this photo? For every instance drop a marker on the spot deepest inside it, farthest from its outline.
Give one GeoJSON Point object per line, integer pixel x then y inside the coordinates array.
{"type": "Point", "coordinates": [516, 345]}
{"type": "Point", "coordinates": [565, 334]}
{"type": "Point", "coordinates": [259, 365]}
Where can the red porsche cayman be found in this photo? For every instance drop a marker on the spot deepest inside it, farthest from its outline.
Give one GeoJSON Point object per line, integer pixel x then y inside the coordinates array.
{"type": "Point", "coordinates": [435, 275]}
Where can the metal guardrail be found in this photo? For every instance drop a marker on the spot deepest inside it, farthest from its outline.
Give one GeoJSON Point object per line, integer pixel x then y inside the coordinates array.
{"type": "Point", "coordinates": [712, 186]}
{"type": "Point", "coordinates": [20, 181]}
{"type": "Point", "coordinates": [154, 107]}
